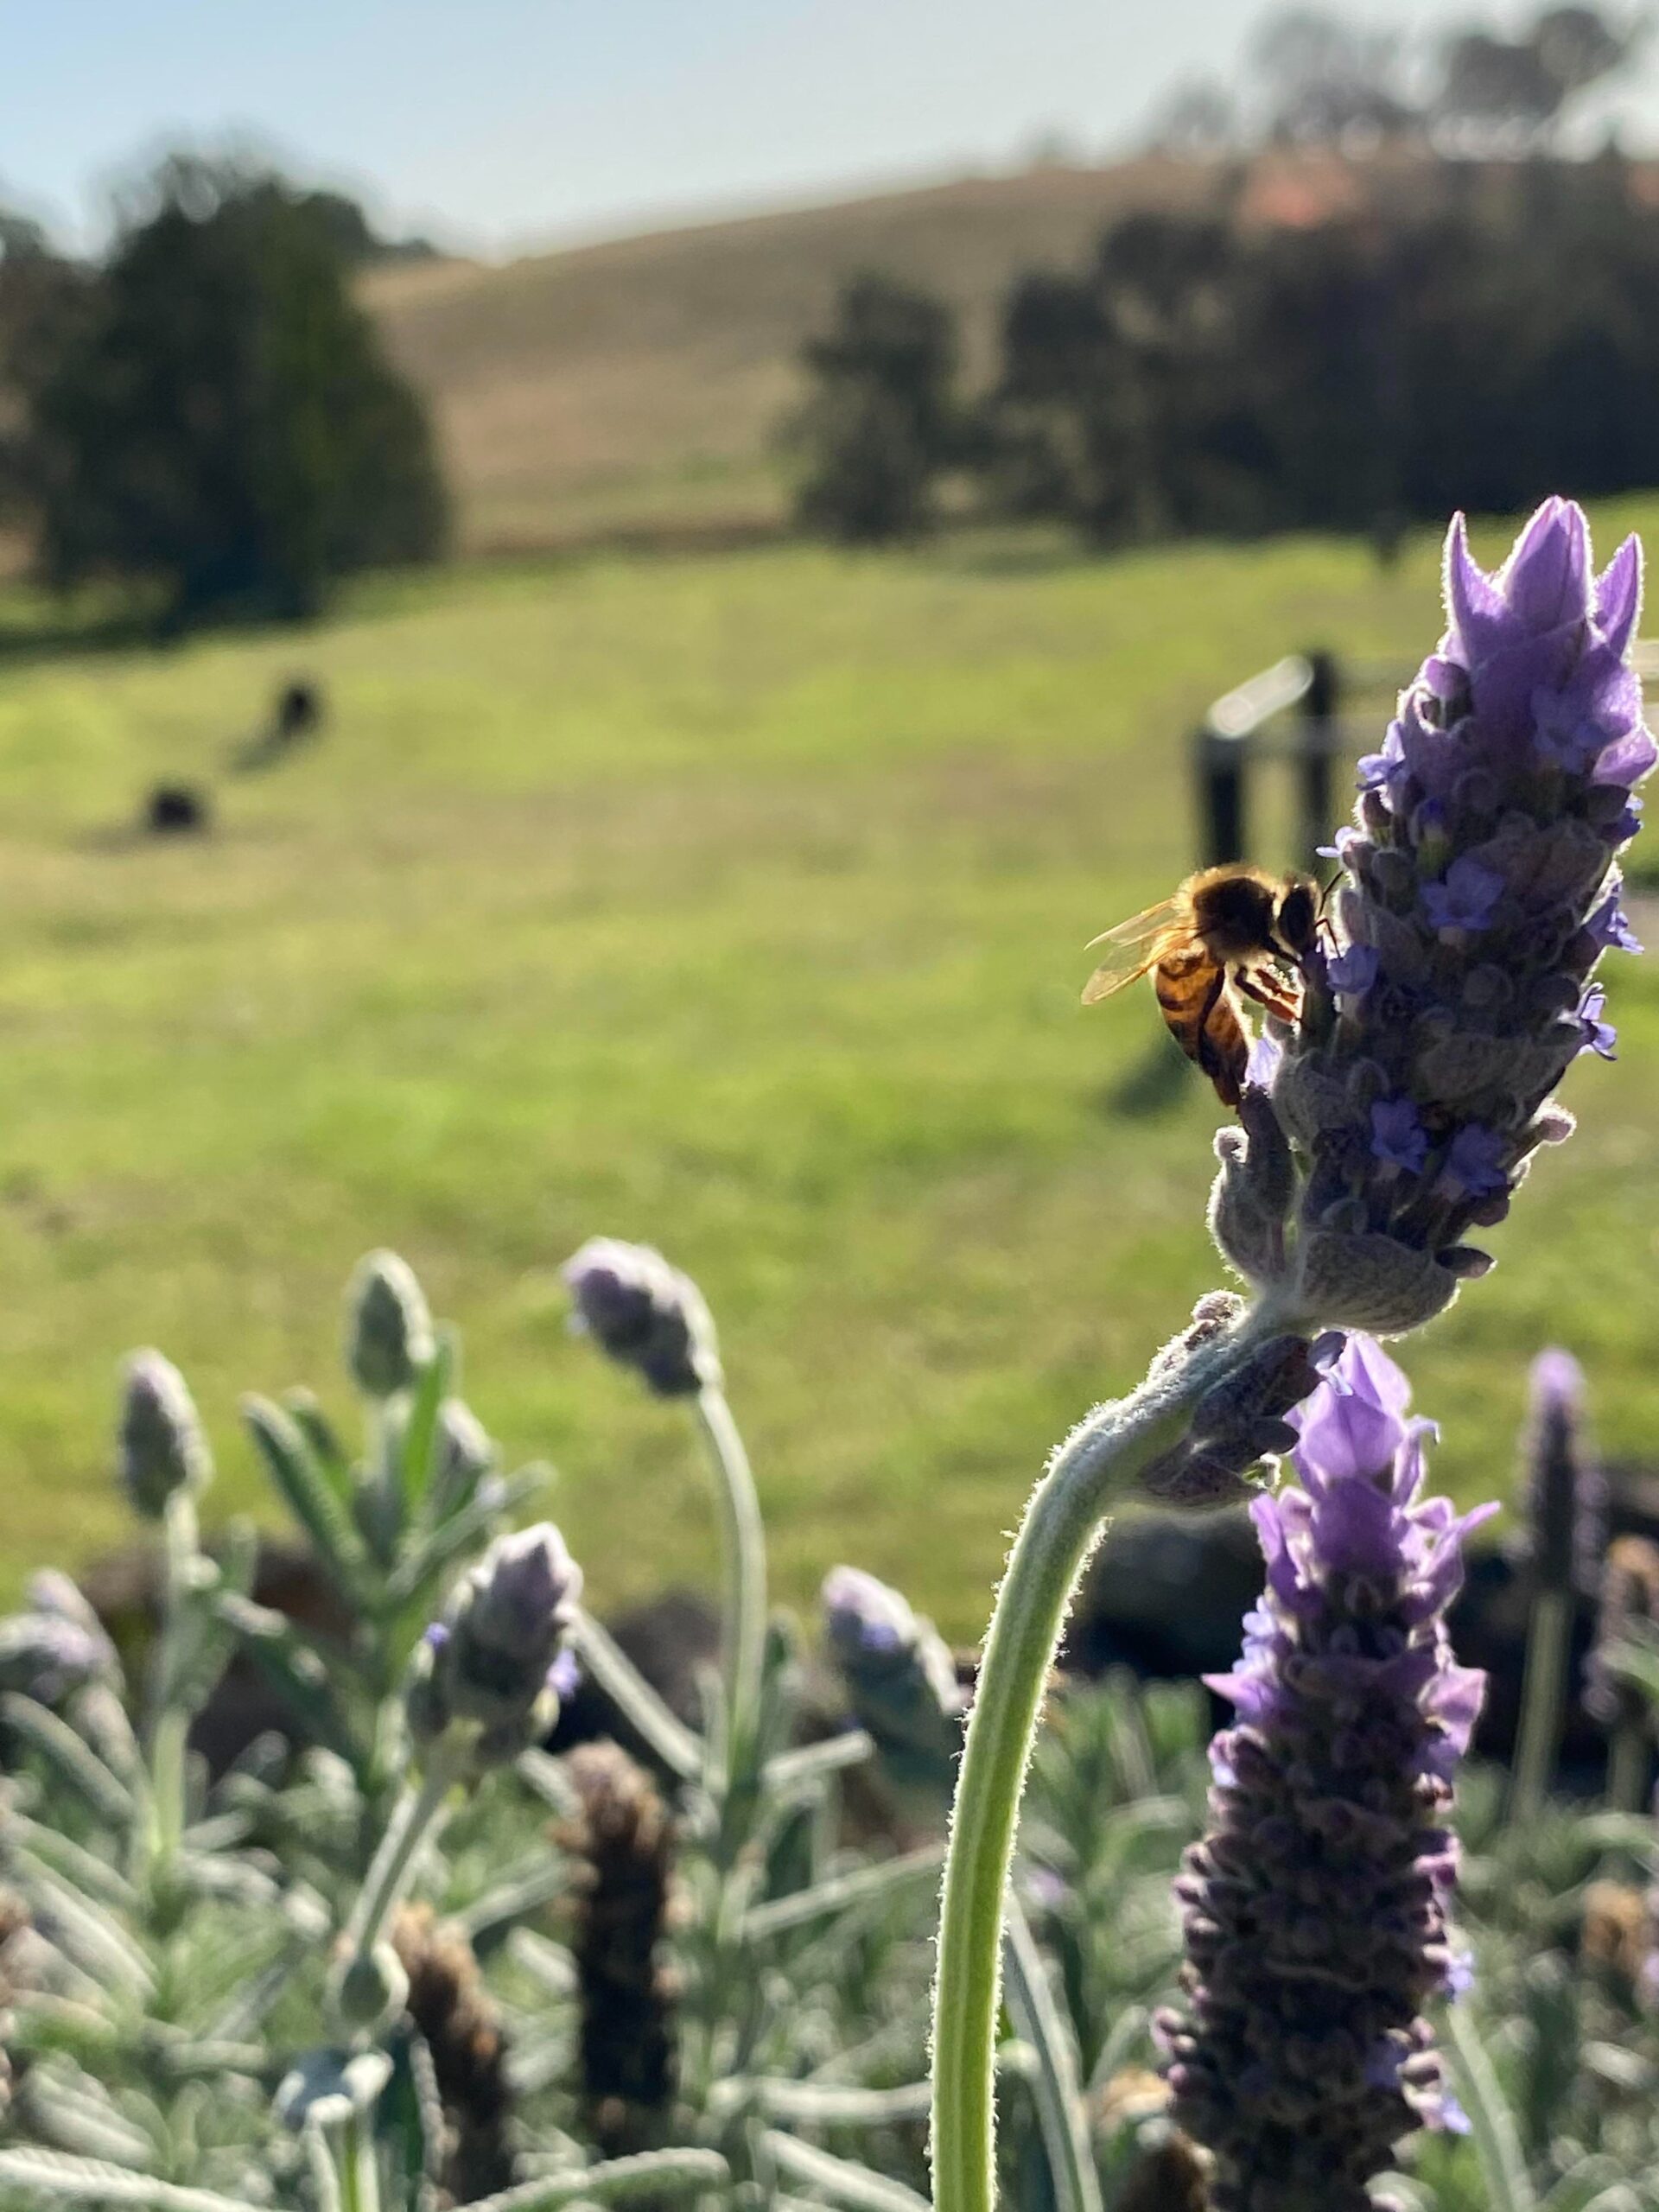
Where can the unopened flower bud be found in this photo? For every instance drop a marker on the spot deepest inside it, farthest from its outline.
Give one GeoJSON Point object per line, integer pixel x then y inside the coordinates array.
{"type": "Point", "coordinates": [1237, 1423]}
{"type": "Point", "coordinates": [1254, 1192]}
{"type": "Point", "coordinates": [388, 1338]}
{"type": "Point", "coordinates": [645, 1314]}
{"type": "Point", "coordinates": [901, 1678]}
{"type": "Point", "coordinates": [369, 1989]}
{"type": "Point", "coordinates": [487, 1665]}
{"type": "Point", "coordinates": [466, 1454]}
{"type": "Point", "coordinates": [162, 1448]}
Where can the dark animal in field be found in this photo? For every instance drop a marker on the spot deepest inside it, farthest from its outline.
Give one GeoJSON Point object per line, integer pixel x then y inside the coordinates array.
{"type": "Point", "coordinates": [177, 811]}
{"type": "Point", "coordinates": [296, 715]}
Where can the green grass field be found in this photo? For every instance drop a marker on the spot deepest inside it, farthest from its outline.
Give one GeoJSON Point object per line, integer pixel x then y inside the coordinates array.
{"type": "Point", "coordinates": [736, 905]}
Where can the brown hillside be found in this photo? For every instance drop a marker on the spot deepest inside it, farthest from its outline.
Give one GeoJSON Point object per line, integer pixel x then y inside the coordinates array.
{"type": "Point", "coordinates": [639, 384]}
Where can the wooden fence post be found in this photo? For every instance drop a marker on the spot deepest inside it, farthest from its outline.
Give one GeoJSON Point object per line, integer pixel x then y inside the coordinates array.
{"type": "Point", "coordinates": [1319, 732]}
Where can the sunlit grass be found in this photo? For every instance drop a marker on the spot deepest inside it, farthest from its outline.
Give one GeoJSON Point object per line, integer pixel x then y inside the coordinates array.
{"type": "Point", "coordinates": [733, 903]}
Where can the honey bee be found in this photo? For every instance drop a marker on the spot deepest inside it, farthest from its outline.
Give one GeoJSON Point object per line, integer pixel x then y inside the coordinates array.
{"type": "Point", "coordinates": [1225, 931]}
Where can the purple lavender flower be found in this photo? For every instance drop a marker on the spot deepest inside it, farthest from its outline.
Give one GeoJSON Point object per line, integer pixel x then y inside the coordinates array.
{"type": "Point", "coordinates": [1566, 1492]}
{"type": "Point", "coordinates": [1483, 889]}
{"type": "Point", "coordinates": [645, 1314]}
{"type": "Point", "coordinates": [486, 1671]}
{"type": "Point", "coordinates": [901, 1681]}
{"type": "Point", "coordinates": [1316, 1907]}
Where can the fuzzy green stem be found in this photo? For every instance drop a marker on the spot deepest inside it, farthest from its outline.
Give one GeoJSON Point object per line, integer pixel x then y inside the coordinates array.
{"type": "Point", "coordinates": [1627, 1767]}
{"type": "Point", "coordinates": [1060, 2098]}
{"type": "Point", "coordinates": [418, 1813]}
{"type": "Point", "coordinates": [743, 1548]}
{"type": "Point", "coordinates": [1543, 1697]}
{"type": "Point", "coordinates": [169, 1727]}
{"type": "Point", "coordinates": [1095, 1465]}
{"type": "Point", "coordinates": [678, 1749]}
{"type": "Point", "coordinates": [364, 2189]}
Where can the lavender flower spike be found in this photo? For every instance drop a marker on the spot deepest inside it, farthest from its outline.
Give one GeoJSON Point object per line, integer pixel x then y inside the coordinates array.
{"type": "Point", "coordinates": [645, 1314]}
{"type": "Point", "coordinates": [1566, 1491]}
{"type": "Point", "coordinates": [1316, 1907]}
{"type": "Point", "coordinates": [1482, 890]}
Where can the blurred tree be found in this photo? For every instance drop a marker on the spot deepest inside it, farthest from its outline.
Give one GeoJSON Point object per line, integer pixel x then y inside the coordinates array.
{"type": "Point", "coordinates": [882, 423]}
{"type": "Point", "coordinates": [1120, 405]}
{"type": "Point", "coordinates": [1324, 78]}
{"type": "Point", "coordinates": [355, 238]}
{"type": "Point", "coordinates": [1198, 120]}
{"type": "Point", "coordinates": [1499, 94]}
{"type": "Point", "coordinates": [1499, 341]}
{"type": "Point", "coordinates": [217, 415]}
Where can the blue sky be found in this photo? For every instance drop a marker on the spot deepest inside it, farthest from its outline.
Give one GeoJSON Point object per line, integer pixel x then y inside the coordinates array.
{"type": "Point", "coordinates": [502, 123]}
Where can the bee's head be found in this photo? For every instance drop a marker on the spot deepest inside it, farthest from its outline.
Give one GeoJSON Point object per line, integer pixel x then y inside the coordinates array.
{"type": "Point", "coordinates": [1297, 918]}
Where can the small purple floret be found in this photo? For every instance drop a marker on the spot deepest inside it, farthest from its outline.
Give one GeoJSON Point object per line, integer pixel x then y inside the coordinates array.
{"type": "Point", "coordinates": [1353, 970]}
{"type": "Point", "coordinates": [1610, 927]}
{"type": "Point", "coordinates": [1466, 899]}
{"type": "Point", "coordinates": [1598, 1036]}
{"type": "Point", "coordinates": [1397, 1137]}
{"type": "Point", "coordinates": [1475, 1161]}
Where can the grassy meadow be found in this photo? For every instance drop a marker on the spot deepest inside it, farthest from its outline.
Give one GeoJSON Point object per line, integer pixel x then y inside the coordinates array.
{"type": "Point", "coordinates": [735, 903]}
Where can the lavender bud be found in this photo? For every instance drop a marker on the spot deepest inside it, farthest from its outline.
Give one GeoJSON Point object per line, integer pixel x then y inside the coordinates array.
{"type": "Point", "coordinates": [388, 1338]}
{"type": "Point", "coordinates": [1482, 890]}
{"type": "Point", "coordinates": [1566, 1493]}
{"type": "Point", "coordinates": [48, 1655]}
{"type": "Point", "coordinates": [1316, 1907]}
{"type": "Point", "coordinates": [1255, 1190]}
{"type": "Point", "coordinates": [901, 1678]}
{"type": "Point", "coordinates": [465, 1454]}
{"type": "Point", "coordinates": [644, 1314]}
{"type": "Point", "coordinates": [486, 1666]}
{"type": "Point", "coordinates": [162, 1448]}
{"type": "Point", "coordinates": [1235, 1425]}
{"type": "Point", "coordinates": [369, 1989]}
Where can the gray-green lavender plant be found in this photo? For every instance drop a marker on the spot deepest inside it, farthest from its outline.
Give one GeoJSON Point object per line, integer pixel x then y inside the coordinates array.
{"type": "Point", "coordinates": [207, 1982]}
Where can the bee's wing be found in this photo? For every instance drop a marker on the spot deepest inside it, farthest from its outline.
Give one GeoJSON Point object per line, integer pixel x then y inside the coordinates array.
{"type": "Point", "coordinates": [1133, 948]}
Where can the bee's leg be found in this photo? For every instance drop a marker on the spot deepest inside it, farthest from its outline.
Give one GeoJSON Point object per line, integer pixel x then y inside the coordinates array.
{"type": "Point", "coordinates": [1265, 992]}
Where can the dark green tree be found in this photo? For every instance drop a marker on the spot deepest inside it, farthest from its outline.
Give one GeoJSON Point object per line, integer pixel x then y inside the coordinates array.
{"type": "Point", "coordinates": [882, 423]}
{"type": "Point", "coordinates": [218, 418]}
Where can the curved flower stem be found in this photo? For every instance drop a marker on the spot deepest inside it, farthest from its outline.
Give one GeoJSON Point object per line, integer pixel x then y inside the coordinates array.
{"type": "Point", "coordinates": [743, 1545]}
{"type": "Point", "coordinates": [419, 1812]}
{"type": "Point", "coordinates": [1100, 1456]}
